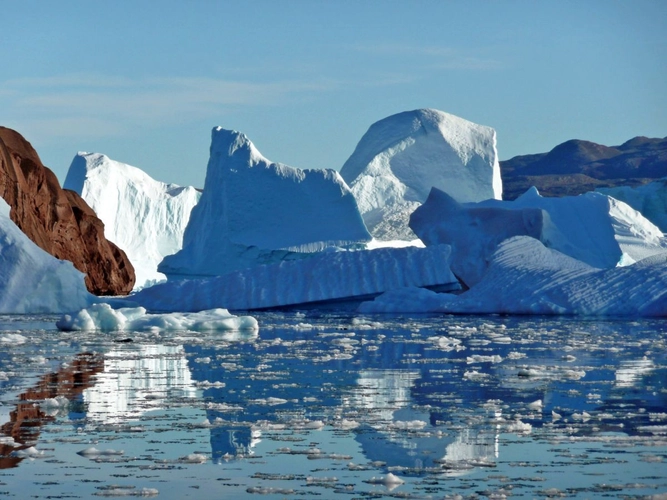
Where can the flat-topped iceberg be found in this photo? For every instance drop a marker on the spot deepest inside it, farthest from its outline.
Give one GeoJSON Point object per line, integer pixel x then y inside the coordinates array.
{"type": "Point", "coordinates": [593, 228]}
{"type": "Point", "coordinates": [326, 276]}
{"type": "Point", "coordinates": [525, 277]}
{"type": "Point", "coordinates": [649, 199]}
{"type": "Point", "coordinates": [104, 318]}
{"type": "Point", "coordinates": [400, 158]}
{"type": "Point", "coordinates": [253, 212]}
{"type": "Point", "coordinates": [33, 281]}
{"type": "Point", "coordinates": [144, 217]}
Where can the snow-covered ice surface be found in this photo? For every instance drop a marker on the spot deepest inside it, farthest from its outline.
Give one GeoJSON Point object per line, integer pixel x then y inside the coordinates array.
{"type": "Point", "coordinates": [593, 228]}
{"type": "Point", "coordinates": [401, 157]}
{"type": "Point", "coordinates": [254, 212]}
{"type": "Point", "coordinates": [104, 318]}
{"type": "Point", "coordinates": [525, 277]}
{"type": "Point", "coordinates": [33, 281]}
{"type": "Point", "coordinates": [325, 276]}
{"type": "Point", "coordinates": [143, 216]}
{"type": "Point", "coordinates": [649, 199]}
{"type": "Point", "coordinates": [338, 406]}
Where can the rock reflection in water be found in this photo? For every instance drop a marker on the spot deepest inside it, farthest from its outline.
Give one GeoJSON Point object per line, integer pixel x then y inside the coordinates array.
{"type": "Point", "coordinates": [55, 391]}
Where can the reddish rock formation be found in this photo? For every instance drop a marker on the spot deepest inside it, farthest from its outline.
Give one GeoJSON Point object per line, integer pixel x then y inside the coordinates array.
{"type": "Point", "coordinates": [59, 221]}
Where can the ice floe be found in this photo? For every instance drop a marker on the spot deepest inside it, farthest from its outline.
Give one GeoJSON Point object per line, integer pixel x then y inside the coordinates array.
{"type": "Point", "coordinates": [103, 317]}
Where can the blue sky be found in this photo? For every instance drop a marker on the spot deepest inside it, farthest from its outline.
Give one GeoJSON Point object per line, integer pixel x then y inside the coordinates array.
{"type": "Point", "coordinates": [145, 82]}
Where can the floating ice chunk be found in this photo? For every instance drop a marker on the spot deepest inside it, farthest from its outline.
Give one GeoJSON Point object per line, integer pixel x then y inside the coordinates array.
{"type": "Point", "coordinates": [388, 480]}
{"type": "Point", "coordinates": [193, 458]}
{"type": "Point", "coordinates": [13, 339]}
{"type": "Point", "coordinates": [519, 427]}
{"type": "Point", "coordinates": [535, 405]}
{"type": "Point", "coordinates": [103, 317]}
{"type": "Point", "coordinates": [478, 358]}
{"type": "Point", "coordinates": [30, 452]}
{"type": "Point", "coordinates": [94, 452]}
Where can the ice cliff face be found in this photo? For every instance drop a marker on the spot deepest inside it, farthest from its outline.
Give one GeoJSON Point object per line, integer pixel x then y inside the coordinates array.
{"type": "Point", "coordinates": [325, 276]}
{"type": "Point", "coordinates": [525, 277]}
{"type": "Point", "coordinates": [593, 228]}
{"type": "Point", "coordinates": [31, 280]}
{"type": "Point", "coordinates": [253, 211]}
{"type": "Point", "coordinates": [649, 199]}
{"type": "Point", "coordinates": [400, 158]}
{"type": "Point", "coordinates": [144, 217]}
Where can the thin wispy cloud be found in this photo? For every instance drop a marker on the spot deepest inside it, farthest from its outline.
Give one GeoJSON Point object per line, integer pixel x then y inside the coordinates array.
{"type": "Point", "coordinates": [431, 56]}
{"type": "Point", "coordinates": [97, 105]}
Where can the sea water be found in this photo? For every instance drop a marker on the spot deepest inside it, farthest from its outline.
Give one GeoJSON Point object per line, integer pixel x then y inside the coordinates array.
{"type": "Point", "coordinates": [337, 405]}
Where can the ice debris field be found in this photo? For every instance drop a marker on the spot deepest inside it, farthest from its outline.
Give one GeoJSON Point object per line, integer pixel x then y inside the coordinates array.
{"type": "Point", "coordinates": [263, 234]}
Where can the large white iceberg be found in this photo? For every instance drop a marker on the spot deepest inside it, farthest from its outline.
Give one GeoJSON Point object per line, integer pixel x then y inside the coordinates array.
{"type": "Point", "coordinates": [401, 157]}
{"type": "Point", "coordinates": [525, 277]}
{"type": "Point", "coordinates": [33, 281]}
{"type": "Point", "coordinates": [649, 199]}
{"type": "Point", "coordinates": [593, 228]}
{"type": "Point", "coordinates": [326, 276]}
{"type": "Point", "coordinates": [144, 217]}
{"type": "Point", "coordinates": [253, 211]}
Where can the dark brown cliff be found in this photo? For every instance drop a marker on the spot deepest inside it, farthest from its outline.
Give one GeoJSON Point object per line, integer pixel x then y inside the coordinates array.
{"type": "Point", "coordinates": [59, 221]}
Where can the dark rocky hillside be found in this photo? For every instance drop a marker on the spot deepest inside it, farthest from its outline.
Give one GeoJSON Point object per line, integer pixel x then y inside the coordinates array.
{"type": "Point", "coordinates": [576, 167]}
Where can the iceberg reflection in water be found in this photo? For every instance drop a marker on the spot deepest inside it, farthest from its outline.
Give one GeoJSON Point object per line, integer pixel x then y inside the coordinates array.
{"type": "Point", "coordinates": [337, 404]}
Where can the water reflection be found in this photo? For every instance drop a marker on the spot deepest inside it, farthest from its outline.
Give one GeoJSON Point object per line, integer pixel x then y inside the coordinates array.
{"type": "Point", "coordinates": [425, 396]}
{"type": "Point", "coordinates": [40, 404]}
{"type": "Point", "coordinates": [137, 379]}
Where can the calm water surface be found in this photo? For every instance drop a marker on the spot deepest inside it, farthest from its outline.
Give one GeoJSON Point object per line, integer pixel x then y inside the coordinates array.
{"type": "Point", "coordinates": [337, 406]}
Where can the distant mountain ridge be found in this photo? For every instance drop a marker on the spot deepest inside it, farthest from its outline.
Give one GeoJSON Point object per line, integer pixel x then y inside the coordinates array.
{"type": "Point", "coordinates": [578, 166]}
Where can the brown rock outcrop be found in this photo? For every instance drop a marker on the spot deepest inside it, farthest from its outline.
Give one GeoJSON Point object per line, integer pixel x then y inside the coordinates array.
{"type": "Point", "coordinates": [59, 221]}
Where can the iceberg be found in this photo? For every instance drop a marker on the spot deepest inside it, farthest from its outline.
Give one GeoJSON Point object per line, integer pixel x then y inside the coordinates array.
{"type": "Point", "coordinates": [649, 199]}
{"type": "Point", "coordinates": [145, 217]}
{"type": "Point", "coordinates": [31, 280]}
{"type": "Point", "coordinates": [326, 276]}
{"type": "Point", "coordinates": [525, 277]}
{"type": "Point", "coordinates": [254, 212]}
{"type": "Point", "coordinates": [593, 228]}
{"type": "Point", "coordinates": [104, 318]}
{"type": "Point", "coordinates": [401, 157]}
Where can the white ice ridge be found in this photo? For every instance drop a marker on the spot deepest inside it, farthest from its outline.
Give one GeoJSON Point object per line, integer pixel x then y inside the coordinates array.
{"type": "Point", "coordinates": [104, 318]}
{"type": "Point", "coordinates": [401, 157]}
{"type": "Point", "coordinates": [144, 217]}
{"type": "Point", "coordinates": [594, 228]}
{"type": "Point", "coordinates": [253, 211]}
{"type": "Point", "coordinates": [649, 199]}
{"type": "Point", "coordinates": [33, 281]}
{"type": "Point", "coordinates": [323, 277]}
{"type": "Point", "coordinates": [525, 277]}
